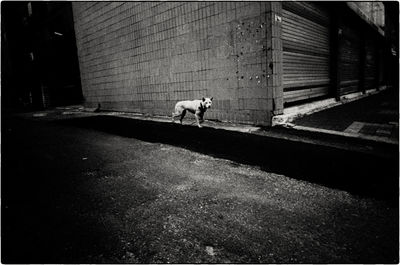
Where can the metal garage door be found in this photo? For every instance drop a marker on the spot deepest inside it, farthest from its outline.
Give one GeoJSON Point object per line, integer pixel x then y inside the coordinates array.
{"type": "Point", "coordinates": [370, 74]}
{"type": "Point", "coordinates": [350, 55]}
{"type": "Point", "coordinates": [306, 51]}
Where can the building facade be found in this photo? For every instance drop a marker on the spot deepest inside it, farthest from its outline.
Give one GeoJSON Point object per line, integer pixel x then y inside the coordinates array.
{"type": "Point", "coordinates": [39, 58]}
{"type": "Point", "coordinates": [254, 58]}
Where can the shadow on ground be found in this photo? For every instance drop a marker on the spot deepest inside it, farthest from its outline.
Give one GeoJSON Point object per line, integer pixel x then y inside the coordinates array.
{"type": "Point", "coordinates": [359, 173]}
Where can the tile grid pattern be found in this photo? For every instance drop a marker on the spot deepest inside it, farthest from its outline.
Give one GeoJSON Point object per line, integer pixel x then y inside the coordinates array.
{"type": "Point", "coordinates": [145, 56]}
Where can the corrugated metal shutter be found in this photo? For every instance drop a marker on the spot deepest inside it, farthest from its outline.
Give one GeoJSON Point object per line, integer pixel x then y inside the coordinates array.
{"type": "Point", "coordinates": [350, 55]}
{"type": "Point", "coordinates": [306, 51]}
{"type": "Point", "coordinates": [370, 64]}
{"type": "Point", "coordinates": [381, 66]}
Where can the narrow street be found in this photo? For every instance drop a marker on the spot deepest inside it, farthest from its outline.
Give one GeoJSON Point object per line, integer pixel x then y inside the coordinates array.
{"type": "Point", "coordinates": [113, 190]}
{"type": "Point", "coordinates": [297, 161]}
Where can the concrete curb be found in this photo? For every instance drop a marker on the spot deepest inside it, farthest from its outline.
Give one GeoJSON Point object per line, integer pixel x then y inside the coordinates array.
{"type": "Point", "coordinates": [376, 139]}
{"type": "Point", "coordinates": [331, 139]}
{"type": "Point", "coordinates": [283, 121]}
{"type": "Point", "coordinates": [295, 135]}
{"type": "Point", "coordinates": [187, 122]}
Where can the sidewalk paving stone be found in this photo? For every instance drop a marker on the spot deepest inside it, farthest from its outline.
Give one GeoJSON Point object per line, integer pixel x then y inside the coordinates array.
{"type": "Point", "coordinates": [376, 115]}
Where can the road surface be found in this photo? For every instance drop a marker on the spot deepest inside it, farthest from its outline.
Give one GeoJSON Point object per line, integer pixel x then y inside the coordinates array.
{"type": "Point", "coordinates": [106, 190]}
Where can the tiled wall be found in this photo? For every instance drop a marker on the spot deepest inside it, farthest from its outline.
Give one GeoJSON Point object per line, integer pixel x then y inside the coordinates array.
{"type": "Point", "coordinates": [145, 56]}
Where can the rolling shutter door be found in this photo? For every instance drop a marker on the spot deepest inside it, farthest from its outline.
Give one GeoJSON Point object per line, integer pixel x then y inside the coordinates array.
{"type": "Point", "coordinates": [370, 65]}
{"type": "Point", "coordinates": [306, 53]}
{"type": "Point", "coordinates": [350, 61]}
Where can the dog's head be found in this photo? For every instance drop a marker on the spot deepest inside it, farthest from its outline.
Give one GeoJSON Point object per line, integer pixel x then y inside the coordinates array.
{"type": "Point", "coordinates": [207, 102]}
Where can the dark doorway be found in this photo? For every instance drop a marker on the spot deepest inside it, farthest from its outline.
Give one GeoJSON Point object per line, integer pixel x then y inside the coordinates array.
{"type": "Point", "coordinates": [40, 66]}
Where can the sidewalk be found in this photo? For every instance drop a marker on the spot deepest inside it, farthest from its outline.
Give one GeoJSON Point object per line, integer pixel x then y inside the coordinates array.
{"type": "Point", "coordinates": [343, 127]}
{"type": "Point", "coordinates": [375, 117]}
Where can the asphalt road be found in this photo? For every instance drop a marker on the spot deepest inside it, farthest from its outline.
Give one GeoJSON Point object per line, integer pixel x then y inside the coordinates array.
{"type": "Point", "coordinates": [114, 190]}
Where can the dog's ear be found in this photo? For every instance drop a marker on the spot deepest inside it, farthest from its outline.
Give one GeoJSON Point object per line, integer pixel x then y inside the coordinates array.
{"type": "Point", "coordinates": [204, 99]}
{"type": "Point", "coordinates": [211, 98]}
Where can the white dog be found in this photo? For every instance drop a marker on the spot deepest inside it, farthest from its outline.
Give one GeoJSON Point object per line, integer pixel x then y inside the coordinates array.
{"type": "Point", "coordinates": [198, 107]}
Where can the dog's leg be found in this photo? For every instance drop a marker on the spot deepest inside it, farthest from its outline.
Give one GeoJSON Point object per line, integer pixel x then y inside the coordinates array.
{"type": "Point", "coordinates": [183, 115]}
{"type": "Point", "coordinates": [175, 114]}
{"type": "Point", "coordinates": [201, 117]}
{"type": "Point", "coordinates": [198, 117]}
